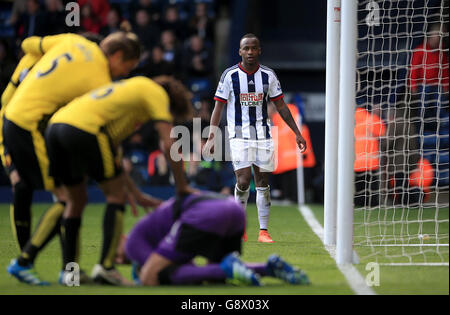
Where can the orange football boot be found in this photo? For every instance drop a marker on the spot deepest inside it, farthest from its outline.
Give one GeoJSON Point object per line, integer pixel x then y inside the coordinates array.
{"type": "Point", "coordinates": [264, 237]}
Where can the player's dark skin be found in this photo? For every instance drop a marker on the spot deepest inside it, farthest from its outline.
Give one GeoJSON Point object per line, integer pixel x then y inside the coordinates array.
{"type": "Point", "coordinates": [250, 50]}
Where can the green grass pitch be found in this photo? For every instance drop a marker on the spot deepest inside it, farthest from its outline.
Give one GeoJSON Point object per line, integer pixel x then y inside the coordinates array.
{"type": "Point", "coordinates": [295, 241]}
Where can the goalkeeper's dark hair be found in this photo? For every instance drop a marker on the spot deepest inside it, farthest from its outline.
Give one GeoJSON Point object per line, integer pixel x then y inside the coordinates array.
{"type": "Point", "coordinates": [180, 98]}
{"type": "Point", "coordinates": [124, 41]}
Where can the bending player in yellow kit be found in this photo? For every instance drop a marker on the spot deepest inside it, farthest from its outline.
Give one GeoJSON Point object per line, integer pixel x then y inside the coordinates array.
{"type": "Point", "coordinates": [20, 210]}
{"type": "Point", "coordinates": [82, 140]}
{"type": "Point", "coordinates": [70, 66]}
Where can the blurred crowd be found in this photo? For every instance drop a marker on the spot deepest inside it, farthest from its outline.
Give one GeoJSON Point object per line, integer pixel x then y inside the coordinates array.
{"type": "Point", "coordinates": [177, 38]}
{"type": "Point", "coordinates": [402, 150]}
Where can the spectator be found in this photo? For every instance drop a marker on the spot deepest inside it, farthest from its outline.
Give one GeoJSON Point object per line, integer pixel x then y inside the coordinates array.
{"type": "Point", "coordinates": [159, 170]}
{"type": "Point", "coordinates": [210, 175]}
{"type": "Point", "coordinates": [428, 77]}
{"type": "Point", "coordinates": [172, 22]}
{"type": "Point", "coordinates": [113, 20]}
{"type": "Point", "coordinates": [55, 17]}
{"type": "Point", "coordinates": [7, 65]}
{"type": "Point", "coordinates": [19, 8]}
{"type": "Point", "coordinates": [147, 32]}
{"type": "Point", "coordinates": [171, 49]}
{"type": "Point", "coordinates": [152, 9]}
{"type": "Point", "coordinates": [156, 65]}
{"type": "Point", "coordinates": [198, 59]}
{"type": "Point", "coordinates": [99, 10]}
{"type": "Point", "coordinates": [429, 63]}
{"type": "Point", "coordinates": [400, 134]}
{"type": "Point", "coordinates": [368, 129]}
{"type": "Point", "coordinates": [201, 24]}
{"type": "Point", "coordinates": [89, 21]}
{"type": "Point", "coordinates": [32, 22]}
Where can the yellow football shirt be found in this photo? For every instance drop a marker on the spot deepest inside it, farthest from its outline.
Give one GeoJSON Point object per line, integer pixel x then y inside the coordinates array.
{"type": "Point", "coordinates": [119, 108]}
{"type": "Point", "coordinates": [70, 67]}
{"type": "Point", "coordinates": [22, 69]}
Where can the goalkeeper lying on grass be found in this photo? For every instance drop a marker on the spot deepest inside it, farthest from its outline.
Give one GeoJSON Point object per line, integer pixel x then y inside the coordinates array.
{"type": "Point", "coordinates": [164, 243]}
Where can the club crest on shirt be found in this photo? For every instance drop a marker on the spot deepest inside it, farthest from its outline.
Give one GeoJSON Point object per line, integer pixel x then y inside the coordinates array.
{"type": "Point", "coordinates": [220, 88]}
{"type": "Point", "coordinates": [278, 86]}
{"type": "Point", "coordinates": [251, 99]}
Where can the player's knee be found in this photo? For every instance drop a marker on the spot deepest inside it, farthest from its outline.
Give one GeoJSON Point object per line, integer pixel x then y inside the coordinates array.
{"type": "Point", "coordinates": [76, 204]}
{"type": "Point", "coordinates": [243, 183]}
{"type": "Point", "coordinates": [149, 277]}
{"type": "Point", "coordinates": [14, 177]}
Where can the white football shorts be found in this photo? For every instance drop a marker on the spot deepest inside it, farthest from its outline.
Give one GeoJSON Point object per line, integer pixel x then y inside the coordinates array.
{"type": "Point", "coordinates": [261, 153]}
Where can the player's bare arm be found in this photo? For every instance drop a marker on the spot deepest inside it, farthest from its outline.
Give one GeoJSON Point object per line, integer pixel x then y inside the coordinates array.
{"type": "Point", "coordinates": [214, 124]}
{"type": "Point", "coordinates": [137, 197]}
{"type": "Point", "coordinates": [181, 184]}
{"type": "Point", "coordinates": [287, 117]}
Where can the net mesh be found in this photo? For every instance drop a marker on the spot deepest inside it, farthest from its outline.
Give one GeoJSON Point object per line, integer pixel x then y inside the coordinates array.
{"type": "Point", "coordinates": [402, 132]}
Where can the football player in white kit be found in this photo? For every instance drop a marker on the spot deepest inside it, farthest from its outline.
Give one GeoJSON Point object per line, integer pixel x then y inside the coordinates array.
{"type": "Point", "coordinates": [247, 88]}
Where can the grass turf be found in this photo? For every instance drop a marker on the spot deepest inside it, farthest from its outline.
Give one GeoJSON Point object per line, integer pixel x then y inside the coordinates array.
{"type": "Point", "coordinates": [294, 241]}
{"type": "Point", "coordinates": [405, 279]}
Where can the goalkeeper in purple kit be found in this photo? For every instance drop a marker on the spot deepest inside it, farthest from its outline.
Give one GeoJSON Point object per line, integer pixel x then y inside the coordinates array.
{"type": "Point", "coordinates": [164, 243]}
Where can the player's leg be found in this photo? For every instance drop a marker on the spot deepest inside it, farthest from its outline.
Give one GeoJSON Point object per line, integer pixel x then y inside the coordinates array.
{"type": "Point", "coordinates": [158, 270]}
{"type": "Point", "coordinates": [192, 235]}
{"type": "Point", "coordinates": [29, 156]}
{"type": "Point", "coordinates": [104, 271]}
{"type": "Point", "coordinates": [65, 146]}
{"type": "Point", "coordinates": [242, 169]}
{"type": "Point", "coordinates": [107, 171]}
{"type": "Point", "coordinates": [242, 188]}
{"type": "Point", "coordinates": [20, 209]}
{"type": "Point", "coordinates": [262, 203]}
{"type": "Point", "coordinates": [48, 227]}
{"type": "Point", "coordinates": [49, 224]}
{"type": "Point", "coordinates": [71, 221]}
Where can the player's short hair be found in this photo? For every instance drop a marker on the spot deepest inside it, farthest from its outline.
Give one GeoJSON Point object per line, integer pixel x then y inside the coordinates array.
{"type": "Point", "coordinates": [180, 97]}
{"type": "Point", "coordinates": [127, 42]}
{"type": "Point", "coordinates": [249, 35]}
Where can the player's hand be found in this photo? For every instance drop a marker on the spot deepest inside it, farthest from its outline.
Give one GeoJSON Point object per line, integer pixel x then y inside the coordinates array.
{"type": "Point", "coordinates": [301, 142]}
{"type": "Point", "coordinates": [144, 200]}
{"type": "Point", "coordinates": [187, 190]}
{"type": "Point", "coordinates": [208, 148]}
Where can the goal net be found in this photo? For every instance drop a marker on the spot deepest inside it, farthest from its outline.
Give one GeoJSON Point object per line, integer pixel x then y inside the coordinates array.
{"type": "Point", "coordinates": [402, 132]}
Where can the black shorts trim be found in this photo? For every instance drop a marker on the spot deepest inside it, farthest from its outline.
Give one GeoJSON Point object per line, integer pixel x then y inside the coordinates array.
{"type": "Point", "coordinates": [212, 246]}
{"type": "Point", "coordinates": [75, 154]}
{"type": "Point", "coordinates": [19, 144]}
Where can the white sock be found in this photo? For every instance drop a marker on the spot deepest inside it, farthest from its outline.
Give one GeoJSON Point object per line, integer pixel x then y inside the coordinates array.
{"type": "Point", "coordinates": [263, 205]}
{"type": "Point", "coordinates": [241, 196]}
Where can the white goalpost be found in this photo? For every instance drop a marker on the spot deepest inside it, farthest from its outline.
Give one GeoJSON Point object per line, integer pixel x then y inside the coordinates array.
{"type": "Point", "coordinates": [387, 125]}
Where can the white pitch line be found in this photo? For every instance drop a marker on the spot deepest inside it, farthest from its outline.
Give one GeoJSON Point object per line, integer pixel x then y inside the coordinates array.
{"type": "Point", "coordinates": [408, 245]}
{"type": "Point", "coordinates": [354, 278]}
{"type": "Point", "coordinates": [415, 264]}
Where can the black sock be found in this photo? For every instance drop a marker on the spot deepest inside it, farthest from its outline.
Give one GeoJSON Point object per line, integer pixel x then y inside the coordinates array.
{"type": "Point", "coordinates": [21, 213]}
{"type": "Point", "coordinates": [70, 229]}
{"type": "Point", "coordinates": [112, 231]}
{"type": "Point", "coordinates": [49, 225]}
